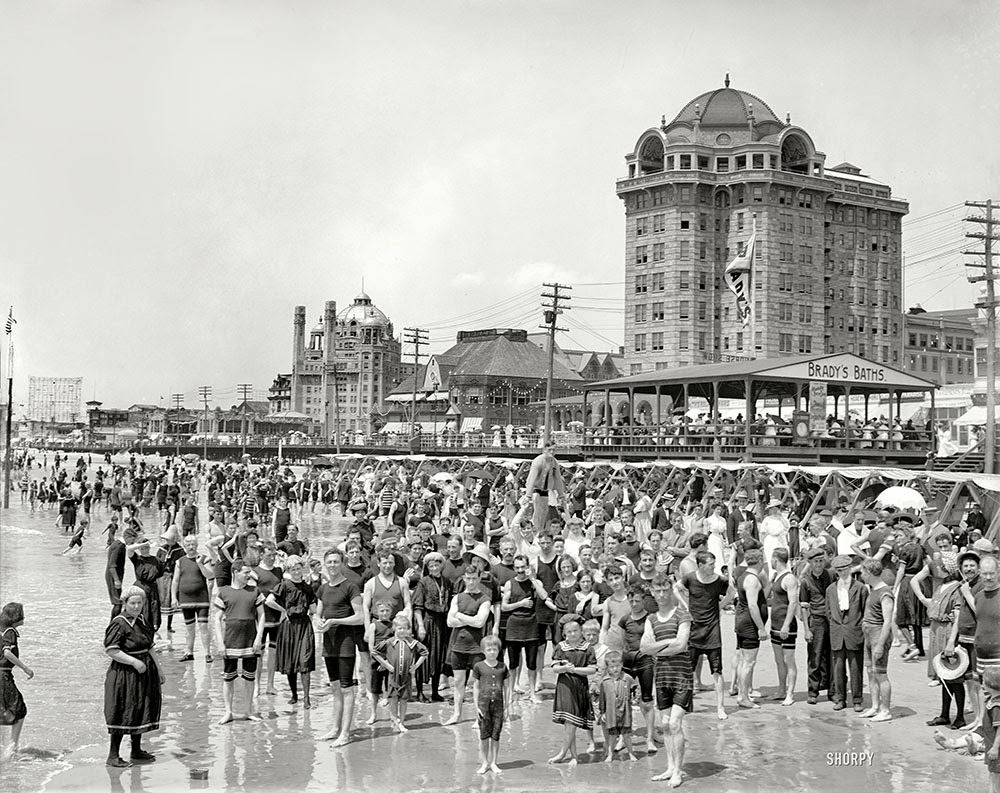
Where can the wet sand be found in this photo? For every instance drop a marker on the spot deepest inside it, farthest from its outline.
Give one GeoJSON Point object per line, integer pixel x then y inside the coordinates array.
{"type": "Point", "coordinates": [772, 749]}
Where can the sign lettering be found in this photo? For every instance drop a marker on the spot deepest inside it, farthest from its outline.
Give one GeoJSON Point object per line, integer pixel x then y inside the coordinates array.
{"type": "Point", "coordinates": [853, 372]}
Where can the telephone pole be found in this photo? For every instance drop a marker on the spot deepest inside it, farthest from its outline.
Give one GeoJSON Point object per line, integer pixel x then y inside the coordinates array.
{"type": "Point", "coordinates": [204, 392]}
{"type": "Point", "coordinates": [177, 400]}
{"type": "Point", "coordinates": [416, 337]}
{"type": "Point", "coordinates": [245, 390]}
{"type": "Point", "coordinates": [552, 312]}
{"type": "Point", "coordinates": [989, 305]}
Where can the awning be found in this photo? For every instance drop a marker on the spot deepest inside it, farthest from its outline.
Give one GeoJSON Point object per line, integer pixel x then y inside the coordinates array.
{"type": "Point", "coordinates": [437, 396]}
{"type": "Point", "coordinates": [975, 416]}
{"type": "Point", "coordinates": [403, 427]}
{"type": "Point", "coordinates": [399, 398]}
{"type": "Point", "coordinates": [472, 424]}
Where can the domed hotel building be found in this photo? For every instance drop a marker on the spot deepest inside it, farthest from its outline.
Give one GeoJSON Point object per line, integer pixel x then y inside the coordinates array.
{"type": "Point", "coordinates": [827, 269]}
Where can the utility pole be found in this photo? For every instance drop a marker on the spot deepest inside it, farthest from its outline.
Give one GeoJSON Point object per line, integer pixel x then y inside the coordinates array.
{"type": "Point", "coordinates": [552, 312]}
{"type": "Point", "coordinates": [204, 392]}
{"type": "Point", "coordinates": [990, 306]}
{"type": "Point", "coordinates": [245, 390]}
{"type": "Point", "coordinates": [7, 462]}
{"type": "Point", "coordinates": [416, 337]}
{"type": "Point", "coordinates": [178, 400]}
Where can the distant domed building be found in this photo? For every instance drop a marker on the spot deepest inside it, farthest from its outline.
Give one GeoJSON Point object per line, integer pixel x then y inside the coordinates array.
{"type": "Point", "coordinates": [827, 269]}
{"type": "Point", "coordinates": [346, 367]}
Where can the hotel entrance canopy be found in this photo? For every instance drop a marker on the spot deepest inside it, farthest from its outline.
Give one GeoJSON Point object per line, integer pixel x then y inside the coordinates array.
{"type": "Point", "coordinates": [838, 402]}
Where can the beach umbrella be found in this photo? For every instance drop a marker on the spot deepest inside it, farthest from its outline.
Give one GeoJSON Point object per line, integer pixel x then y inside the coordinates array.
{"type": "Point", "coordinates": [901, 498]}
{"type": "Point", "coordinates": [128, 434]}
{"type": "Point", "coordinates": [321, 462]}
{"type": "Point", "coordinates": [442, 476]}
{"type": "Point", "coordinates": [191, 458]}
{"type": "Point", "coordinates": [477, 473]}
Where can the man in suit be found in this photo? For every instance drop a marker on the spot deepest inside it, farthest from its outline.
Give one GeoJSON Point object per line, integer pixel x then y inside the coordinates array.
{"type": "Point", "coordinates": [845, 605]}
{"type": "Point", "coordinates": [740, 513]}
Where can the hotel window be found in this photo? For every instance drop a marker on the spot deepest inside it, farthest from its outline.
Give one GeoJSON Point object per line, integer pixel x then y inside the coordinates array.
{"type": "Point", "coordinates": [725, 342]}
{"type": "Point", "coordinates": [685, 279]}
{"type": "Point", "coordinates": [934, 364]}
{"type": "Point", "coordinates": [641, 256]}
{"type": "Point", "coordinates": [805, 225]}
{"type": "Point", "coordinates": [657, 282]}
{"type": "Point", "coordinates": [739, 340]}
{"type": "Point", "coordinates": [860, 268]}
{"type": "Point", "coordinates": [785, 312]}
{"type": "Point", "coordinates": [861, 295]}
{"type": "Point", "coordinates": [949, 342]}
{"type": "Point", "coordinates": [950, 367]}
{"type": "Point", "coordinates": [758, 162]}
{"type": "Point", "coordinates": [641, 284]}
{"type": "Point", "coordinates": [861, 324]}
{"type": "Point", "coordinates": [784, 251]}
{"type": "Point", "coordinates": [640, 313]}
{"type": "Point", "coordinates": [805, 254]}
{"type": "Point", "coordinates": [738, 194]}
{"type": "Point", "coordinates": [702, 221]}
{"type": "Point", "coordinates": [682, 340]}
{"type": "Point", "coordinates": [923, 363]}
{"type": "Point", "coordinates": [702, 281]}
{"type": "Point", "coordinates": [640, 225]}
{"type": "Point", "coordinates": [758, 340]}
{"type": "Point", "coordinates": [640, 200]}
{"type": "Point", "coordinates": [722, 164]}
{"type": "Point", "coordinates": [635, 368]}
{"type": "Point", "coordinates": [805, 313]}
{"type": "Point", "coordinates": [861, 350]}
{"type": "Point", "coordinates": [685, 192]}
{"type": "Point", "coordinates": [685, 252]}
{"type": "Point", "coordinates": [805, 200]}
{"type": "Point", "coordinates": [885, 297]}
{"type": "Point", "coordinates": [702, 251]}
{"type": "Point", "coordinates": [702, 163]}
{"type": "Point", "coordinates": [923, 341]}
{"type": "Point", "coordinates": [701, 340]}
{"type": "Point", "coordinates": [702, 310]}
{"type": "Point", "coordinates": [758, 192]}
{"type": "Point", "coordinates": [659, 223]}
{"type": "Point", "coordinates": [785, 222]}
{"type": "Point", "coordinates": [640, 342]}
{"type": "Point", "coordinates": [885, 353]}
{"type": "Point", "coordinates": [785, 282]}
{"type": "Point", "coordinates": [670, 163]}
{"type": "Point", "coordinates": [658, 251]}
{"type": "Point", "coordinates": [741, 162]}
{"type": "Point", "coordinates": [659, 197]}
{"type": "Point", "coordinates": [685, 309]}
{"type": "Point", "coordinates": [657, 312]}
{"type": "Point", "coordinates": [656, 341]}
{"type": "Point", "coordinates": [739, 221]}
{"type": "Point", "coordinates": [685, 162]}
{"type": "Point", "coordinates": [968, 345]}
{"type": "Point", "coordinates": [805, 343]}
{"type": "Point", "coordinates": [685, 221]}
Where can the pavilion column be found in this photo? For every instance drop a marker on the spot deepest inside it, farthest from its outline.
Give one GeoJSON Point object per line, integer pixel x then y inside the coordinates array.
{"type": "Point", "coordinates": [586, 416]}
{"type": "Point", "coordinates": [687, 407]}
{"type": "Point", "coordinates": [749, 413]}
{"type": "Point", "coordinates": [847, 416]}
{"type": "Point", "coordinates": [607, 415]}
{"type": "Point", "coordinates": [866, 406]}
{"type": "Point", "coordinates": [631, 414]}
{"type": "Point", "coordinates": [933, 433]}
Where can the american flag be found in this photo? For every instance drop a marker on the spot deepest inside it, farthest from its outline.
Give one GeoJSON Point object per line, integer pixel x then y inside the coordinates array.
{"type": "Point", "coordinates": [11, 322]}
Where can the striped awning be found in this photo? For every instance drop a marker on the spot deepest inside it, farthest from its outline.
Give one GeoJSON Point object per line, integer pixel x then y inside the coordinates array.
{"type": "Point", "coordinates": [472, 424]}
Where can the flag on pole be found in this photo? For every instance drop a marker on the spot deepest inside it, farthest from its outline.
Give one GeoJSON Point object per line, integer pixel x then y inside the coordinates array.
{"type": "Point", "coordinates": [739, 274]}
{"type": "Point", "coordinates": [11, 322]}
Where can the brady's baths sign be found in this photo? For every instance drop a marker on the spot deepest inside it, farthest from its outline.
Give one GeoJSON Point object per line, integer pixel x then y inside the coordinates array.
{"type": "Point", "coordinates": [821, 370]}
{"type": "Point", "coordinates": [848, 369]}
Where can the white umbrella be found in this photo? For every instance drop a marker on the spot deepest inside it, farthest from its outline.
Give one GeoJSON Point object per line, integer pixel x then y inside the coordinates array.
{"type": "Point", "coordinates": [901, 498]}
{"type": "Point", "coordinates": [442, 476]}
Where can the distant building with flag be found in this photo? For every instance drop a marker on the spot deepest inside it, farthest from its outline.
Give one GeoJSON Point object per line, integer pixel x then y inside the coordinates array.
{"type": "Point", "coordinates": [56, 400]}
{"type": "Point", "coordinates": [823, 272]}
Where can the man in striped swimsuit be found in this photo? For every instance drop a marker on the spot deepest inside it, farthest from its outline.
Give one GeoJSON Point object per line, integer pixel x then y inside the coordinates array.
{"type": "Point", "coordinates": [665, 638]}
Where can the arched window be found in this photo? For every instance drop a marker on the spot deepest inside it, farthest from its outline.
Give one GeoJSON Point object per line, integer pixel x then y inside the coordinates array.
{"type": "Point", "coordinates": [651, 156]}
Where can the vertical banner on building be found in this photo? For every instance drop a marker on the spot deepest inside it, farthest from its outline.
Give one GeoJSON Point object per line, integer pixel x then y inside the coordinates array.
{"type": "Point", "coordinates": [738, 276]}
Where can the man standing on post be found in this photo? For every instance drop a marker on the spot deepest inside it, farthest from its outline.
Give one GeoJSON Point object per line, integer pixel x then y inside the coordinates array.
{"type": "Point", "coordinates": [846, 599]}
{"type": "Point", "coordinates": [815, 624]}
{"type": "Point", "coordinates": [543, 478]}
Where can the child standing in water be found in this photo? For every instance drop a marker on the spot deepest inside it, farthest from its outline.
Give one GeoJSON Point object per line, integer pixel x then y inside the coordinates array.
{"type": "Point", "coordinates": [400, 656]}
{"type": "Point", "coordinates": [489, 690]}
{"type": "Point", "coordinates": [615, 698]}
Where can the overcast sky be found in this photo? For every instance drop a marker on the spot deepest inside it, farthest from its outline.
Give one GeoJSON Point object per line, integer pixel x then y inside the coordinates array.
{"type": "Point", "coordinates": [175, 177]}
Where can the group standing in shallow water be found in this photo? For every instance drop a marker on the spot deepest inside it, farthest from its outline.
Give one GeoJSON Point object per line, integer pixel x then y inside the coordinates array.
{"type": "Point", "coordinates": [465, 585]}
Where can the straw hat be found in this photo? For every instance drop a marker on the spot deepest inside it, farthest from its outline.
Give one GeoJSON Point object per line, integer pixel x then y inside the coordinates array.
{"type": "Point", "coordinates": [480, 550]}
{"type": "Point", "coordinates": [951, 667]}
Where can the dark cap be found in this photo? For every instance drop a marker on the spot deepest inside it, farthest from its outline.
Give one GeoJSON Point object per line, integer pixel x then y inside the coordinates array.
{"type": "Point", "coordinates": [815, 553]}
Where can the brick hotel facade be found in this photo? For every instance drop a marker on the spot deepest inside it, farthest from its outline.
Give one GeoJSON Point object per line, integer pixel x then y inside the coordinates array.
{"type": "Point", "coordinates": [828, 263]}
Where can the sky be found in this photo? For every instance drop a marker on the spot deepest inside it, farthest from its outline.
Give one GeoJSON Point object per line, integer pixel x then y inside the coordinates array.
{"type": "Point", "coordinates": [176, 177]}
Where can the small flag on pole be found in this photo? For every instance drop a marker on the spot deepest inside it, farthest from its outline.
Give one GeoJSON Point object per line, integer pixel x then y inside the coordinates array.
{"type": "Point", "coordinates": [739, 274]}
{"type": "Point", "coordinates": [11, 322]}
